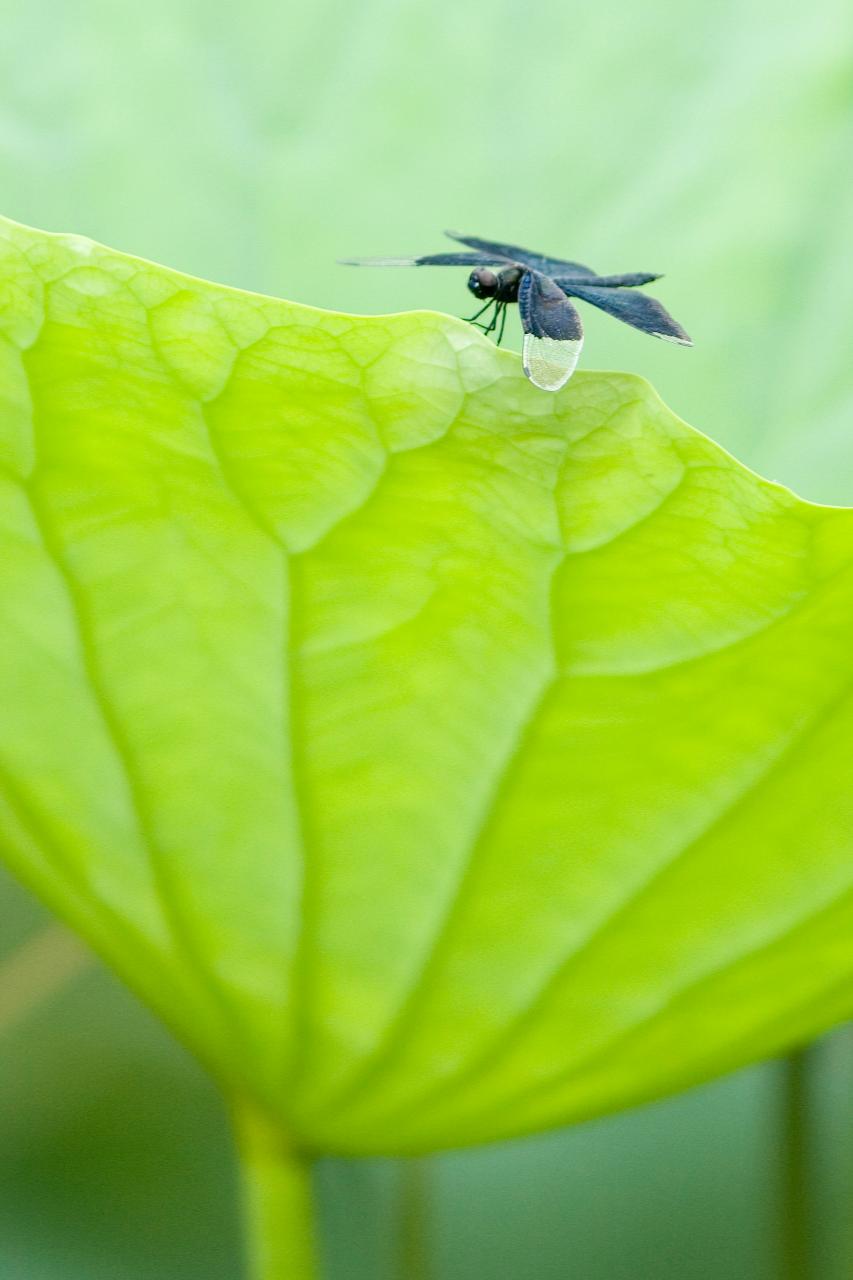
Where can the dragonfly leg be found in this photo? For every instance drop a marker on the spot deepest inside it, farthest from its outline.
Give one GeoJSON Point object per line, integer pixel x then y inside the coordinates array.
{"type": "Point", "coordinates": [503, 310]}
{"type": "Point", "coordinates": [473, 319]}
{"type": "Point", "coordinates": [493, 323]}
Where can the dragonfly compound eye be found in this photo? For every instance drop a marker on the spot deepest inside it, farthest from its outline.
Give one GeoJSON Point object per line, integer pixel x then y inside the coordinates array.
{"type": "Point", "coordinates": [483, 283]}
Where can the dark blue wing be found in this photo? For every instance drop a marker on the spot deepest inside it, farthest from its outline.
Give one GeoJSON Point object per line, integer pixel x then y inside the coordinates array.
{"type": "Point", "coordinates": [630, 280]}
{"type": "Point", "coordinates": [636, 309]}
{"type": "Point", "coordinates": [427, 260]}
{"type": "Point", "coordinates": [553, 334]}
{"type": "Point", "coordinates": [526, 257]}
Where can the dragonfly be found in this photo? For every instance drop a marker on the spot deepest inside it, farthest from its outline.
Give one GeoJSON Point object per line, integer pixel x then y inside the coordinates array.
{"type": "Point", "coordinates": [543, 288]}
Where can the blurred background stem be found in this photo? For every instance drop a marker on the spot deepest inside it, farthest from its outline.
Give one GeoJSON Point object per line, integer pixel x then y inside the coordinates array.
{"type": "Point", "coordinates": [797, 1208]}
{"type": "Point", "coordinates": [413, 1262]}
{"type": "Point", "coordinates": [278, 1207]}
{"type": "Point", "coordinates": [39, 969]}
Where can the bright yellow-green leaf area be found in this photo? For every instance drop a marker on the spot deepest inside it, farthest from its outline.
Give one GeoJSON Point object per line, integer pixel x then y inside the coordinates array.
{"type": "Point", "coordinates": [441, 758]}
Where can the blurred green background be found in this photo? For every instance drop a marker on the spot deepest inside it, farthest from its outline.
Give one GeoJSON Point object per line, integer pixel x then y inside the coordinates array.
{"type": "Point", "coordinates": [255, 145]}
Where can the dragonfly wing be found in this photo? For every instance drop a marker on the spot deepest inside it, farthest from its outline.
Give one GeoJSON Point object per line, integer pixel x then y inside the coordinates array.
{"type": "Point", "coordinates": [526, 257]}
{"type": "Point", "coordinates": [629, 281]}
{"type": "Point", "coordinates": [553, 335]}
{"type": "Point", "coordinates": [426, 260]}
{"type": "Point", "coordinates": [636, 309]}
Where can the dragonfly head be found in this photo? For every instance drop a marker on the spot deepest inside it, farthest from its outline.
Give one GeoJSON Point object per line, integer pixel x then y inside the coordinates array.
{"type": "Point", "coordinates": [483, 283]}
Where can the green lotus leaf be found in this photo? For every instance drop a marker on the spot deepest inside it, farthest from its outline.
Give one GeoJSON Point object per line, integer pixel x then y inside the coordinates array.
{"type": "Point", "coordinates": [442, 759]}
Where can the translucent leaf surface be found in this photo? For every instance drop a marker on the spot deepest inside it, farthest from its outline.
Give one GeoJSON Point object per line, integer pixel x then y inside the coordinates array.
{"type": "Point", "coordinates": [442, 759]}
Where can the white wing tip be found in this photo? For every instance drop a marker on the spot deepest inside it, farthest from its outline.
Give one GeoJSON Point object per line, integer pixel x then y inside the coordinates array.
{"type": "Point", "coordinates": [549, 363]}
{"type": "Point", "coordinates": [671, 337]}
{"type": "Point", "coordinates": [377, 262]}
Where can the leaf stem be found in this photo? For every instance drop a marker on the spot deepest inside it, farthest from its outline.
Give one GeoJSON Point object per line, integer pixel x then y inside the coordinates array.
{"type": "Point", "coordinates": [413, 1211]}
{"type": "Point", "coordinates": [796, 1206]}
{"type": "Point", "coordinates": [278, 1205]}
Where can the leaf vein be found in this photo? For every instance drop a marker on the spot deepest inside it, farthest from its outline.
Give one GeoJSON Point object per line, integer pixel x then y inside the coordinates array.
{"type": "Point", "coordinates": [532, 1009]}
